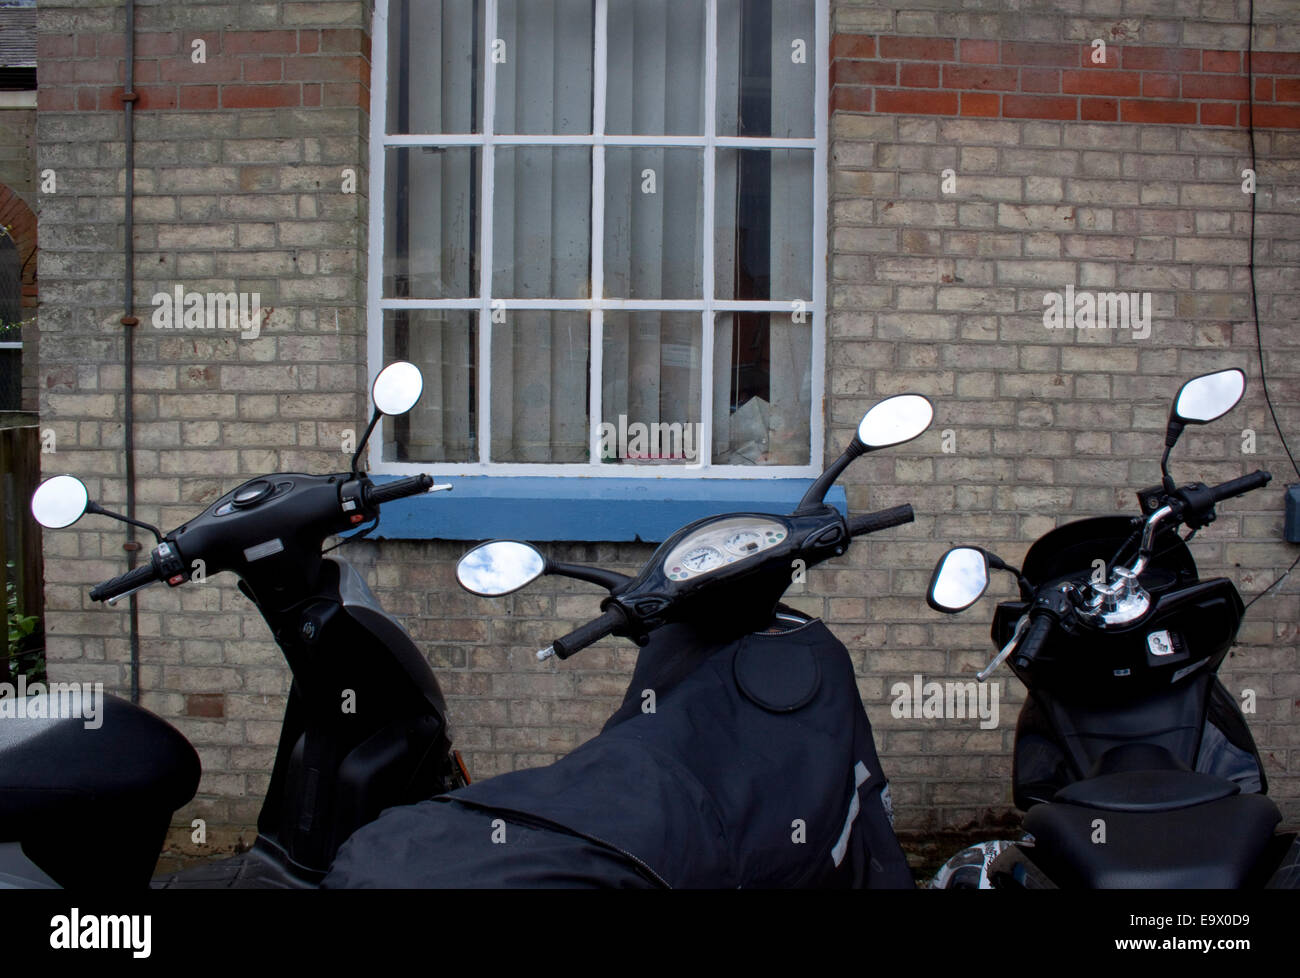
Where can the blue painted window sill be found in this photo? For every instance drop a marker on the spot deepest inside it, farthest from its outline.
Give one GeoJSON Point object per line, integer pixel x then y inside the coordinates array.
{"type": "Point", "coordinates": [591, 510]}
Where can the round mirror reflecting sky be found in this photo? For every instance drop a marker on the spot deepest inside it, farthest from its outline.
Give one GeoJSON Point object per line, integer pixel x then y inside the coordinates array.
{"type": "Point", "coordinates": [60, 501]}
{"type": "Point", "coordinates": [397, 388]}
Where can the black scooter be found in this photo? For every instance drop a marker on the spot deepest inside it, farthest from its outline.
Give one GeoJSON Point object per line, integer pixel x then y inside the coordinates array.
{"type": "Point", "coordinates": [741, 755]}
{"type": "Point", "coordinates": [1134, 765]}
{"type": "Point", "coordinates": [365, 727]}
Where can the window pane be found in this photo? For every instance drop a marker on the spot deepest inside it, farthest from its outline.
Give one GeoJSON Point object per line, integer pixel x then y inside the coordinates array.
{"type": "Point", "coordinates": [543, 67]}
{"type": "Point", "coordinates": [767, 71]}
{"type": "Point", "coordinates": [541, 227]}
{"type": "Point", "coordinates": [442, 426]}
{"type": "Point", "coordinates": [434, 66]}
{"type": "Point", "coordinates": [431, 222]}
{"type": "Point", "coordinates": [650, 394]}
{"type": "Point", "coordinates": [656, 61]}
{"type": "Point", "coordinates": [763, 229]}
{"type": "Point", "coordinates": [653, 202]}
{"type": "Point", "coordinates": [540, 374]}
{"type": "Point", "coordinates": [762, 389]}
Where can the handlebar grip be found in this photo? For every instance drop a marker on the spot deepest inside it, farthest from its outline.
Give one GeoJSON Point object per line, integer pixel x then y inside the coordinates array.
{"type": "Point", "coordinates": [1237, 487]}
{"type": "Point", "coordinates": [871, 522]}
{"type": "Point", "coordinates": [132, 579]}
{"type": "Point", "coordinates": [1027, 651]}
{"type": "Point", "coordinates": [397, 489]}
{"type": "Point", "coordinates": [593, 631]}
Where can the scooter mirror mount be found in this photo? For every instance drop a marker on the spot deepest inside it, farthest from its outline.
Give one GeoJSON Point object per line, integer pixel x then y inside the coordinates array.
{"type": "Point", "coordinates": [394, 392]}
{"type": "Point", "coordinates": [893, 421]}
{"type": "Point", "coordinates": [960, 579]}
{"type": "Point", "coordinates": [61, 501]}
{"type": "Point", "coordinates": [499, 567]}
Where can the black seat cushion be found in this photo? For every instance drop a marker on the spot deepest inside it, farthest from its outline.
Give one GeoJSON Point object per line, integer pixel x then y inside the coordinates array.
{"type": "Point", "coordinates": [1214, 845]}
{"type": "Point", "coordinates": [56, 769]}
{"type": "Point", "coordinates": [1146, 791]}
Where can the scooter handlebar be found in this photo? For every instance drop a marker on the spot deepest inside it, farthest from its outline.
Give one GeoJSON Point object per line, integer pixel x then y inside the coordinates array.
{"type": "Point", "coordinates": [1040, 626]}
{"type": "Point", "coordinates": [593, 631]}
{"type": "Point", "coordinates": [397, 489]}
{"type": "Point", "coordinates": [871, 522]}
{"type": "Point", "coordinates": [1239, 487]}
{"type": "Point", "coordinates": [132, 579]}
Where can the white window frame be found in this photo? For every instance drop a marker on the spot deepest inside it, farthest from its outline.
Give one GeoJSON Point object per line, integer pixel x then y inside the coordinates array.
{"type": "Point", "coordinates": [486, 141]}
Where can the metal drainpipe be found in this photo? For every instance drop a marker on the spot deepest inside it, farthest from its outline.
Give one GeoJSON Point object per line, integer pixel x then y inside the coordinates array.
{"type": "Point", "coordinates": [129, 322]}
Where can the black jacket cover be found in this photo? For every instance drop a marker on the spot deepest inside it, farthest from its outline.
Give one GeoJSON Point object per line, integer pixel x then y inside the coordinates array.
{"type": "Point", "coordinates": [743, 762]}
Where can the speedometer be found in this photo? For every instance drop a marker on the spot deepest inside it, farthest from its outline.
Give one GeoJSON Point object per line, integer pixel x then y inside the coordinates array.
{"type": "Point", "coordinates": [701, 559]}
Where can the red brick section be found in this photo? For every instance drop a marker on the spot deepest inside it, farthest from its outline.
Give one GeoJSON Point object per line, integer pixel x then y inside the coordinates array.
{"type": "Point", "coordinates": [242, 70]}
{"type": "Point", "coordinates": [19, 223]}
{"type": "Point", "coordinates": [1020, 80]}
{"type": "Point", "coordinates": [205, 705]}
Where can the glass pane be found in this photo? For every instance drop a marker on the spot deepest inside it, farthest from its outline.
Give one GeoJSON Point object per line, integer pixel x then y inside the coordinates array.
{"type": "Point", "coordinates": [435, 66]}
{"type": "Point", "coordinates": [431, 222]}
{"type": "Point", "coordinates": [767, 70]}
{"type": "Point", "coordinates": [651, 388]}
{"type": "Point", "coordinates": [763, 228]}
{"type": "Point", "coordinates": [762, 388]}
{"type": "Point", "coordinates": [656, 61]}
{"type": "Point", "coordinates": [541, 225]}
{"type": "Point", "coordinates": [540, 377]}
{"type": "Point", "coordinates": [653, 203]}
{"type": "Point", "coordinates": [443, 425]}
{"type": "Point", "coordinates": [542, 56]}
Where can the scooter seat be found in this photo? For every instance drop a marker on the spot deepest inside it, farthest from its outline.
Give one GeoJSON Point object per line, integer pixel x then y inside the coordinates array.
{"type": "Point", "coordinates": [1212, 845]}
{"type": "Point", "coordinates": [56, 769]}
{"type": "Point", "coordinates": [1146, 791]}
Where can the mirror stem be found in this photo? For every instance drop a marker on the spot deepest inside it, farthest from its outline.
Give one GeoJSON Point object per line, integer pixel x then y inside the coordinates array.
{"type": "Point", "coordinates": [816, 493]}
{"type": "Point", "coordinates": [592, 575]}
{"type": "Point", "coordinates": [997, 563]}
{"type": "Point", "coordinates": [94, 507]}
{"type": "Point", "coordinates": [361, 445]}
{"type": "Point", "coordinates": [1166, 480]}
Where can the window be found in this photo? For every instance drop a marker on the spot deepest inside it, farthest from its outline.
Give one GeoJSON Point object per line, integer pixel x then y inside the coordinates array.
{"type": "Point", "coordinates": [598, 227]}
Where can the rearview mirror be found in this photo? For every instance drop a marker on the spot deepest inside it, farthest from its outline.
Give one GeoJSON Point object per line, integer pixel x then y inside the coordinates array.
{"type": "Point", "coordinates": [397, 388]}
{"type": "Point", "coordinates": [1211, 396]}
{"type": "Point", "coordinates": [895, 420]}
{"type": "Point", "coordinates": [959, 579]}
{"type": "Point", "coordinates": [499, 567]}
{"type": "Point", "coordinates": [60, 501]}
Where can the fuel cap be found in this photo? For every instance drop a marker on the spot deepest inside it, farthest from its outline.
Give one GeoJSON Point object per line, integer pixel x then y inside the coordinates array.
{"type": "Point", "coordinates": [251, 494]}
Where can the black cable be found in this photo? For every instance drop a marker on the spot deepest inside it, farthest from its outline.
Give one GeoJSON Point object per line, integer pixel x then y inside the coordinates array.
{"type": "Point", "coordinates": [1254, 299]}
{"type": "Point", "coordinates": [1285, 575]}
{"type": "Point", "coordinates": [368, 528]}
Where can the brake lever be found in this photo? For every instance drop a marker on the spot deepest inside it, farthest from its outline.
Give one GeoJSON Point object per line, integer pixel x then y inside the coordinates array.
{"type": "Point", "coordinates": [1007, 649]}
